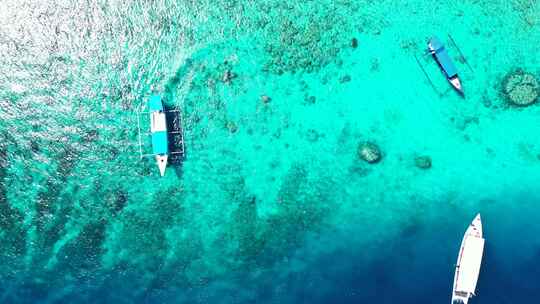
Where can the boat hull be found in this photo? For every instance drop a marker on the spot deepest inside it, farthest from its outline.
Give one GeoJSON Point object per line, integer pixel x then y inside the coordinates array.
{"type": "Point", "coordinates": [158, 131]}
{"type": "Point", "coordinates": [468, 263]}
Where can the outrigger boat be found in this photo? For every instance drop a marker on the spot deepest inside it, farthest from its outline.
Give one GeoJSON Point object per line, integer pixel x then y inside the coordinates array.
{"type": "Point", "coordinates": [439, 53]}
{"type": "Point", "coordinates": [166, 134]}
{"type": "Point", "coordinates": [468, 263]}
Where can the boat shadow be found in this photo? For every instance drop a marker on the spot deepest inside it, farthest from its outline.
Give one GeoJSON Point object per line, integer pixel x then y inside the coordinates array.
{"type": "Point", "coordinates": [175, 135]}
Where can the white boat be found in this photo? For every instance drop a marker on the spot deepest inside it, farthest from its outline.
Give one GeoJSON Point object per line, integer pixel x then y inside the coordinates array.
{"type": "Point", "coordinates": [468, 263]}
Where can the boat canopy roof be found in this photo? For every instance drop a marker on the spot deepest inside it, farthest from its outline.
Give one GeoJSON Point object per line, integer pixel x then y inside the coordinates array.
{"type": "Point", "coordinates": [158, 126]}
{"type": "Point", "coordinates": [155, 103]}
{"type": "Point", "coordinates": [159, 143]}
{"type": "Point", "coordinates": [443, 58]}
{"type": "Point", "coordinates": [158, 122]}
{"type": "Point", "coordinates": [469, 266]}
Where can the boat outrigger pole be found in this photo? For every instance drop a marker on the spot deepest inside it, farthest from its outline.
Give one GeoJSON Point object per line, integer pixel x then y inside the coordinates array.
{"type": "Point", "coordinates": [427, 76]}
{"type": "Point", "coordinates": [460, 53]}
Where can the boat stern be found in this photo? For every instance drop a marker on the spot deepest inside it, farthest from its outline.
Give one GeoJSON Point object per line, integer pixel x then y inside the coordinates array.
{"type": "Point", "coordinates": [162, 163]}
{"type": "Point", "coordinates": [434, 44]}
{"type": "Point", "coordinates": [460, 300]}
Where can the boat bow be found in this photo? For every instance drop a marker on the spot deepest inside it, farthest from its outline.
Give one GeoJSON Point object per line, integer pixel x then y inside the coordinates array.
{"type": "Point", "coordinates": [162, 163]}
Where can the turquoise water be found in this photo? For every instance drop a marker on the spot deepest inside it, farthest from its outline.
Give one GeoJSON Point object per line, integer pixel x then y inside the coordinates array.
{"type": "Point", "coordinates": [271, 203]}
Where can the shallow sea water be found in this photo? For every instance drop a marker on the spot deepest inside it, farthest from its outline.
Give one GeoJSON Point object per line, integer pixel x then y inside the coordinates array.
{"type": "Point", "coordinates": [271, 203]}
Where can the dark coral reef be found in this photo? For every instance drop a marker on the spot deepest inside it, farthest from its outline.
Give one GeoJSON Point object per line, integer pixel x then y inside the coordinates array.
{"type": "Point", "coordinates": [521, 88]}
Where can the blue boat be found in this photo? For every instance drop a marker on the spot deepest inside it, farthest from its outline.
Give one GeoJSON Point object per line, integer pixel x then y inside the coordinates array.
{"type": "Point", "coordinates": [439, 53]}
{"type": "Point", "coordinates": [158, 131]}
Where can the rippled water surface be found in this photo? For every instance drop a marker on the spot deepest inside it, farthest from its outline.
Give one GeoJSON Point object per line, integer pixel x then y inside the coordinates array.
{"type": "Point", "coordinates": [271, 203]}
